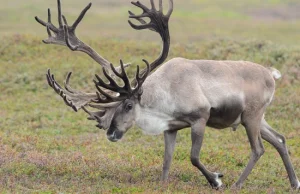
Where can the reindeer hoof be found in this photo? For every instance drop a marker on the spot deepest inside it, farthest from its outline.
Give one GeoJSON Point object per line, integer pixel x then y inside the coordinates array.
{"type": "Point", "coordinates": [236, 186]}
{"type": "Point", "coordinates": [217, 182]}
{"type": "Point", "coordinates": [296, 186]}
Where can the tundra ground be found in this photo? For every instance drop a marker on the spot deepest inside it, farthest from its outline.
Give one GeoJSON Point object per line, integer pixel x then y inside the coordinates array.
{"type": "Point", "coordinates": [45, 147]}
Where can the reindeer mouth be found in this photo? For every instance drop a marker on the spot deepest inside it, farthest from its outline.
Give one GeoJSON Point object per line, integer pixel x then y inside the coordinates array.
{"type": "Point", "coordinates": [115, 136]}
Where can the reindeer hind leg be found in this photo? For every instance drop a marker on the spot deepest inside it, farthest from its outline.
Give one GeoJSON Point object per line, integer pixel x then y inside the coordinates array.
{"type": "Point", "coordinates": [252, 124]}
{"type": "Point", "coordinates": [278, 142]}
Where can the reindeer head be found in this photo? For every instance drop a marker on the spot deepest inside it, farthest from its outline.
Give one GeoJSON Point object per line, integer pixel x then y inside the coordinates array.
{"type": "Point", "coordinates": [115, 104]}
{"type": "Point", "coordinates": [117, 112]}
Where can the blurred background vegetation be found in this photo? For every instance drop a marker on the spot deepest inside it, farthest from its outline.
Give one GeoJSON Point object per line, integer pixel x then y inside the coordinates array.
{"type": "Point", "coordinates": [47, 148]}
{"type": "Point", "coordinates": [192, 20]}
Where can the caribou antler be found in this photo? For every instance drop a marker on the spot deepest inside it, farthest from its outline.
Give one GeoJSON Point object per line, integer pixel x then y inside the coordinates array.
{"type": "Point", "coordinates": [105, 98]}
{"type": "Point", "coordinates": [107, 105]}
{"type": "Point", "coordinates": [73, 98]}
{"type": "Point", "coordinates": [125, 91]}
{"type": "Point", "coordinates": [158, 23]}
{"type": "Point", "coordinates": [103, 116]}
{"type": "Point", "coordinates": [65, 35]}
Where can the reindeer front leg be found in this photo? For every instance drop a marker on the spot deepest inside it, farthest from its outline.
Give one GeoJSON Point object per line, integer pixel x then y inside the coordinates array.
{"type": "Point", "coordinates": [198, 129]}
{"type": "Point", "coordinates": [170, 140]}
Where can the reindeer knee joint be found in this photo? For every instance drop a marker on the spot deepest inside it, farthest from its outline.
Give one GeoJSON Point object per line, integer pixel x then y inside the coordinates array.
{"type": "Point", "coordinates": [260, 152]}
{"type": "Point", "coordinates": [195, 161]}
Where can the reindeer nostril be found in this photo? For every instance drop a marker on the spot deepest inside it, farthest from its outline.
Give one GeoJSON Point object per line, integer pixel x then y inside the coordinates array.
{"type": "Point", "coordinates": [112, 137]}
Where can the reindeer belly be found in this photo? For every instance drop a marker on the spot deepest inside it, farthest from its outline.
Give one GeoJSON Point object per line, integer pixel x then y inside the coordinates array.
{"type": "Point", "coordinates": [225, 115]}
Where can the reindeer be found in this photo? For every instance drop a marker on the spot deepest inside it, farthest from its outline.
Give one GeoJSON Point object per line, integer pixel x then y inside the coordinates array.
{"type": "Point", "coordinates": [181, 93]}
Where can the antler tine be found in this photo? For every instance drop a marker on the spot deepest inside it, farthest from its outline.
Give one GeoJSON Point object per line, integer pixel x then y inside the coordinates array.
{"type": "Point", "coordinates": [73, 27]}
{"type": "Point", "coordinates": [138, 19]}
{"type": "Point", "coordinates": [140, 27]}
{"type": "Point", "coordinates": [80, 17]}
{"type": "Point", "coordinates": [58, 89]}
{"type": "Point", "coordinates": [73, 98]}
{"type": "Point", "coordinates": [152, 4]}
{"type": "Point", "coordinates": [49, 23]}
{"type": "Point", "coordinates": [65, 20]}
{"type": "Point", "coordinates": [65, 35]}
{"type": "Point", "coordinates": [56, 86]}
{"type": "Point", "coordinates": [113, 86]}
{"type": "Point", "coordinates": [102, 83]}
{"type": "Point", "coordinates": [103, 116]}
{"type": "Point", "coordinates": [124, 77]}
{"type": "Point", "coordinates": [106, 100]}
{"type": "Point", "coordinates": [93, 116]}
{"type": "Point", "coordinates": [67, 40]}
{"type": "Point", "coordinates": [171, 5]}
{"type": "Point", "coordinates": [49, 15]}
{"type": "Point", "coordinates": [115, 70]}
{"type": "Point", "coordinates": [152, 14]}
{"type": "Point", "coordinates": [110, 79]}
{"type": "Point", "coordinates": [108, 97]}
{"type": "Point", "coordinates": [158, 23]}
{"type": "Point", "coordinates": [123, 91]}
{"type": "Point", "coordinates": [66, 83]}
{"type": "Point", "coordinates": [59, 14]}
{"type": "Point", "coordinates": [48, 32]}
{"type": "Point", "coordinates": [140, 5]}
{"type": "Point", "coordinates": [160, 6]}
{"type": "Point", "coordinates": [140, 80]}
{"type": "Point", "coordinates": [144, 76]}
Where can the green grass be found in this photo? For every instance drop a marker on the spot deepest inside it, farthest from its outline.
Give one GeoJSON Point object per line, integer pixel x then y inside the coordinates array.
{"type": "Point", "coordinates": [45, 147]}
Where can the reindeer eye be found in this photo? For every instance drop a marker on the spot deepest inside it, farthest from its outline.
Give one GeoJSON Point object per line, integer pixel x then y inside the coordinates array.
{"type": "Point", "coordinates": [128, 107]}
